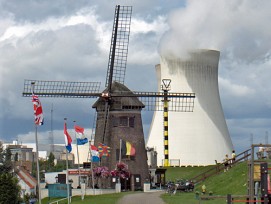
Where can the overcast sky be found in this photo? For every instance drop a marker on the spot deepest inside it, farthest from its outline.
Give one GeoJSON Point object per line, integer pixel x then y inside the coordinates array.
{"type": "Point", "coordinates": [70, 39]}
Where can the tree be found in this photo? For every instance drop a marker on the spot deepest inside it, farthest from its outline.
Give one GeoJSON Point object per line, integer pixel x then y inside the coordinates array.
{"type": "Point", "coordinates": [9, 189]}
{"type": "Point", "coordinates": [51, 159]}
{"type": "Point", "coordinates": [1, 153]}
{"type": "Point", "coordinates": [16, 157]}
{"type": "Point", "coordinates": [5, 160]}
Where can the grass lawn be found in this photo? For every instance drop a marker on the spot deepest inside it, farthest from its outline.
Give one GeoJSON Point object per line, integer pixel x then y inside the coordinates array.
{"type": "Point", "coordinates": [232, 182]}
{"type": "Point", "coordinates": [189, 198]}
{"type": "Point", "coordinates": [97, 199]}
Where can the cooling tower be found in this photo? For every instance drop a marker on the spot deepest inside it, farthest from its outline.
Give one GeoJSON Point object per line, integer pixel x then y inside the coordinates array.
{"type": "Point", "coordinates": [199, 137]}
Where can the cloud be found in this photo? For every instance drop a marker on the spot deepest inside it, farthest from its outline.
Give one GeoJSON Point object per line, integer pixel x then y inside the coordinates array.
{"type": "Point", "coordinates": [235, 90]}
{"type": "Point", "coordinates": [247, 131]}
{"type": "Point", "coordinates": [46, 137]}
{"type": "Point", "coordinates": [237, 28]}
{"type": "Point", "coordinates": [70, 41]}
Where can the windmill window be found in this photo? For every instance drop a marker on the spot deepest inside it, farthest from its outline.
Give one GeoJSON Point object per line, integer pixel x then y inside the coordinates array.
{"type": "Point", "coordinates": [131, 121]}
{"type": "Point", "coordinates": [115, 122]}
{"type": "Point", "coordinates": [123, 121]}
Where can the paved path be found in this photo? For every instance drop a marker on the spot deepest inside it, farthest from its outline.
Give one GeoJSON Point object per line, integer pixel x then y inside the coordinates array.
{"type": "Point", "coordinates": [142, 198]}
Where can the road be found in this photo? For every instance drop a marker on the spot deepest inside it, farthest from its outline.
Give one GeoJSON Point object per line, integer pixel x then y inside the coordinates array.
{"type": "Point", "coordinates": [143, 198]}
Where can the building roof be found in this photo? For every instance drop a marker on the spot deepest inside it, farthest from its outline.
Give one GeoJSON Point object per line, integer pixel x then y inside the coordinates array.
{"type": "Point", "coordinates": [120, 102]}
{"type": "Point", "coordinates": [26, 177]}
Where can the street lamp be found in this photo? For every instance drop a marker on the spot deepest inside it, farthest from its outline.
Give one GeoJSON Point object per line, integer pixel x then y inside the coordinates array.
{"type": "Point", "coordinates": [166, 87]}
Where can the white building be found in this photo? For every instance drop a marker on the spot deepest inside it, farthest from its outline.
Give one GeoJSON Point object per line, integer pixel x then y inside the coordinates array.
{"type": "Point", "coordinates": [26, 181]}
{"type": "Point", "coordinates": [27, 152]}
{"type": "Point", "coordinates": [199, 137]}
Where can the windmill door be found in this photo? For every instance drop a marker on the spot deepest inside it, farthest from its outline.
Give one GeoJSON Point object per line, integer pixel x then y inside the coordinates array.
{"type": "Point", "coordinates": [125, 184]}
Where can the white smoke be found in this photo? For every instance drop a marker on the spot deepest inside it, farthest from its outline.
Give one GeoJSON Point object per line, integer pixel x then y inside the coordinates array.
{"type": "Point", "coordinates": [239, 29]}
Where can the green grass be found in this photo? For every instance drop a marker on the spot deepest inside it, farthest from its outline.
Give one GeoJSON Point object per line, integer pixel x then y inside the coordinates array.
{"type": "Point", "coordinates": [97, 199]}
{"type": "Point", "coordinates": [174, 173]}
{"type": "Point", "coordinates": [232, 182]}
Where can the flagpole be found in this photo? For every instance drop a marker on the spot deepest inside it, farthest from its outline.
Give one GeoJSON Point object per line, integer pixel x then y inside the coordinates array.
{"type": "Point", "coordinates": [91, 167]}
{"type": "Point", "coordinates": [37, 151]}
{"type": "Point", "coordinates": [79, 173]}
{"type": "Point", "coordinates": [92, 175]}
{"type": "Point", "coordinates": [67, 177]}
{"type": "Point", "coordinates": [37, 163]}
{"type": "Point", "coordinates": [120, 150]}
{"type": "Point", "coordinates": [67, 173]}
{"type": "Point", "coordinates": [120, 158]}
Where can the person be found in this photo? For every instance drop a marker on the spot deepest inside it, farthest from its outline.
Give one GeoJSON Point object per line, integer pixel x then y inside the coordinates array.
{"type": "Point", "coordinates": [233, 156]}
{"type": "Point", "coordinates": [260, 154]}
{"type": "Point", "coordinates": [203, 189]}
{"type": "Point", "coordinates": [226, 163]}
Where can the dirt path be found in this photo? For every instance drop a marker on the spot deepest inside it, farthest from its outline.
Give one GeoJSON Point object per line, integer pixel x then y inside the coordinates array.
{"type": "Point", "coordinates": [143, 198]}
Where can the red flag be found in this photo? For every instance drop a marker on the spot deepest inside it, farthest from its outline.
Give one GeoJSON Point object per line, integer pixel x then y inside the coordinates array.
{"type": "Point", "coordinates": [79, 129]}
{"type": "Point", "coordinates": [94, 153]}
{"type": "Point", "coordinates": [81, 140]}
{"type": "Point", "coordinates": [37, 110]}
{"type": "Point", "coordinates": [68, 139]}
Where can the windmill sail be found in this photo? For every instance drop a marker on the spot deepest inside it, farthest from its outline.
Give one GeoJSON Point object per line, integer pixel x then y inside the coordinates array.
{"type": "Point", "coordinates": [119, 45]}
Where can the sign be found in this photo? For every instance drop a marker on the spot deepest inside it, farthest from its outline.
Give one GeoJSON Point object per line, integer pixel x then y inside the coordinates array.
{"type": "Point", "coordinates": [86, 165]}
{"type": "Point", "coordinates": [257, 172]}
{"type": "Point", "coordinates": [58, 190]}
{"type": "Point", "coordinates": [82, 172]}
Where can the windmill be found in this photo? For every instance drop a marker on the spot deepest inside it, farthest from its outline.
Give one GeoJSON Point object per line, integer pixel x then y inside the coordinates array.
{"type": "Point", "coordinates": [118, 108]}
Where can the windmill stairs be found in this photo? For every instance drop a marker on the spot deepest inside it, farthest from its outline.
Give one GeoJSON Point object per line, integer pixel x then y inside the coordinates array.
{"type": "Point", "coordinates": [219, 167]}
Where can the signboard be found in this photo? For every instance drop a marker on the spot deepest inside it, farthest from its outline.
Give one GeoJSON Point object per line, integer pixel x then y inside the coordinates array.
{"type": "Point", "coordinates": [257, 172]}
{"type": "Point", "coordinates": [82, 172]}
{"type": "Point", "coordinates": [86, 165]}
{"type": "Point", "coordinates": [58, 190]}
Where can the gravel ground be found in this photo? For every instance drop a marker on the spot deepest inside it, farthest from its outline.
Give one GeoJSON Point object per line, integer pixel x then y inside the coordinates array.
{"type": "Point", "coordinates": [143, 198]}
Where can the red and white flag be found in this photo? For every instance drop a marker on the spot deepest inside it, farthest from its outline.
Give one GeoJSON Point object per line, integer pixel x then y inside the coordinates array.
{"type": "Point", "coordinates": [81, 139]}
{"type": "Point", "coordinates": [94, 153]}
{"type": "Point", "coordinates": [68, 139]}
{"type": "Point", "coordinates": [79, 130]}
{"type": "Point", "coordinates": [38, 114]}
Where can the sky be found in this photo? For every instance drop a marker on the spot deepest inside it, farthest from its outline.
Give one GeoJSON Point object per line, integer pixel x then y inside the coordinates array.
{"type": "Point", "coordinates": [69, 40]}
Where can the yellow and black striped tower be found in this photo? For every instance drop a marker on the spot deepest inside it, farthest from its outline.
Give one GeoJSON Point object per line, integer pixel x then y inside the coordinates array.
{"type": "Point", "coordinates": [166, 88]}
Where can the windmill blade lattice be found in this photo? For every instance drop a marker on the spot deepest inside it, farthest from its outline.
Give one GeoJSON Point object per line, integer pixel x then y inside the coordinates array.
{"type": "Point", "coordinates": [153, 101]}
{"type": "Point", "coordinates": [178, 102]}
{"type": "Point", "coordinates": [64, 89]}
{"type": "Point", "coordinates": [119, 45]}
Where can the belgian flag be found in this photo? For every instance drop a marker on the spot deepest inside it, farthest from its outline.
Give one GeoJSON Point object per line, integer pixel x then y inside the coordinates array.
{"type": "Point", "coordinates": [127, 148]}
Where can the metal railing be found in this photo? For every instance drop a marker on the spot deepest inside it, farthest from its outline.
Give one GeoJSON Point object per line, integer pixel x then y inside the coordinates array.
{"type": "Point", "coordinates": [57, 201]}
{"type": "Point", "coordinates": [220, 167]}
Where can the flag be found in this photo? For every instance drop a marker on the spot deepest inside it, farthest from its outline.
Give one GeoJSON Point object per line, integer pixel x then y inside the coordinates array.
{"type": "Point", "coordinates": [79, 129]}
{"type": "Point", "coordinates": [104, 150]}
{"type": "Point", "coordinates": [37, 110]}
{"type": "Point", "coordinates": [80, 136]}
{"type": "Point", "coordinates": [94, 154]}
{"type": "Point", "coordinates": [127, 149]}
{"type": "Point", "coordinates": [68, 139]}
{"type": "Point", "coordinates": [81, 141]}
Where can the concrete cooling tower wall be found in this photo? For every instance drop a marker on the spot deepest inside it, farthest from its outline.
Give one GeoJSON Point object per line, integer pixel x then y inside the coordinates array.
{"type": "Point", "coordinates": [199, 137]}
